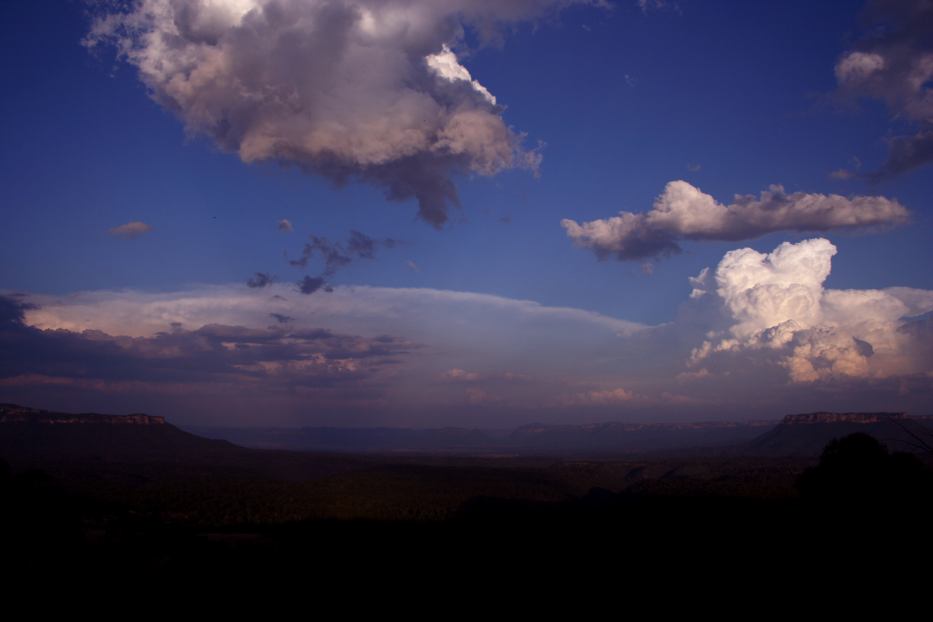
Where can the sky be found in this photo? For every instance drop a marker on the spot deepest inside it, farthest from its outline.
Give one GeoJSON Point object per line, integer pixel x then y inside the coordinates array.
{"type": "Point", "coordinates": [466, 212]}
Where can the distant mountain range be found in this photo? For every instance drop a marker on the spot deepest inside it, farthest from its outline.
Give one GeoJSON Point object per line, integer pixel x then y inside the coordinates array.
{"type": "Point", "coordinates": [26, 430]}
{"type": "Point", "coordinates": [587, 439]}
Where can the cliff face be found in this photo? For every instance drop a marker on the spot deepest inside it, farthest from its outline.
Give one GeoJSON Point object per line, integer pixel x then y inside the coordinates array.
{"type": "Point", "coordinates": [831, 417]}
{"type": "Point", "coordinates": [11, 413]}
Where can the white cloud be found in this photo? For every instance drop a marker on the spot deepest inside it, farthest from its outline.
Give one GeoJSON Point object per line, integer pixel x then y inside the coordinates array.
{"type": "Point", "coordinates": [445, 65]}
{"type": "Point", "coordinates": [857, 67]}
{"type": "Point", "coordinates": [683, 211]}
{"type": "Point", "coordinates": [460, 375]}
{"type": "Point", "coordinates": [371, 89]}
{"type": "Point", "coordinates": [777, 302]}
{"type": "Point", "coordinates": [602, 397]}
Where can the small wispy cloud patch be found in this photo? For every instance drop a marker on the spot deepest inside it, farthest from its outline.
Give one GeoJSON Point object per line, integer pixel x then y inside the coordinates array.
{"type": "Point", "coordinates": [130, 230]}
{"type": "Point", "coordinates": [336, 255]}
{"type": "Point", "coordinates": [260, 279]}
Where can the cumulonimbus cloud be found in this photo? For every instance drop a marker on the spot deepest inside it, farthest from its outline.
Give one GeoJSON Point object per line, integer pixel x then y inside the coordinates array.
{"type": "Point", "coordinates": [367, 89]}
{"type": "Point", "coordinates": [776, 303]}
{"type": "Point", "coordinates": [894, 63]}
{"type": "Point", "coordinates": [765, 333]}
{"type": "Point", "coordinates": [684, 212]}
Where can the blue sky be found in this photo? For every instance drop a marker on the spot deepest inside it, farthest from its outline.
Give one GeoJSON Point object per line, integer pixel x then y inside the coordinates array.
{"type": "Point", "coordinates": [731, 97]}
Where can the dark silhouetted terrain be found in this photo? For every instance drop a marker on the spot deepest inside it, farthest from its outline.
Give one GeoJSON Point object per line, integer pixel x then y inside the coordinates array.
{"type": "Point", "coordinates": [808, 434]}
{"type": "Point", "coordinates": [93, 493]}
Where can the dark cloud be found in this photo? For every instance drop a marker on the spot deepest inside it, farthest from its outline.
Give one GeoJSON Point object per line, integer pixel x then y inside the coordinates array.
{"type": "Point", "coordinates": [893, 62]}
{"type": "Point", "coordinates": [260, 279]}
{"type": "Point", "coordinates": [285, 225]}
{"type": "Point", "coordinates": [362, 245]}
{"type": "Point", "coordinates": [310, 284]}
{"type": "Point", "coordinates": [212, 353]}
{"type": "Point", "coordinates": [347, 89]}
{"type": "Point", "coordinates": [331, 253]}
{"type": "Point", "coordinates": [336, 255]}
{"type": "Point", "coordinates": [906, 153]}
{"type": "Point", "coordinates": [281, 318]}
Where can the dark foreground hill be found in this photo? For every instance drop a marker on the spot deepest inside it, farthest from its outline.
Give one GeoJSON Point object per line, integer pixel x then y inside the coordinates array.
{"type": "Point", "coordinates": [32, 433]}
{"type": "Point", "coordinates": [100, 447]}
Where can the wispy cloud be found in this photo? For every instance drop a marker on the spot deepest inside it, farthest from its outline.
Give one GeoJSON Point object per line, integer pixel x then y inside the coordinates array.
{"type": "Point", "coordinates": [260, 279]}
{"type": "Point", "coordinates": [130, 230]}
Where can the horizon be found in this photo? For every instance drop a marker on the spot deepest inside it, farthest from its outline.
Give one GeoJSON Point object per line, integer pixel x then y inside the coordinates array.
{"type": "Point", "coordinates": [460, 214]}
{"type": "Point", "coordinates": [789, 417]}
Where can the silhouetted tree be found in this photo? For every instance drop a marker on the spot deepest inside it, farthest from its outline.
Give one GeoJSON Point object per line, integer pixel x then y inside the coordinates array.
{"type": "Point", "coordinates": [858, 472]}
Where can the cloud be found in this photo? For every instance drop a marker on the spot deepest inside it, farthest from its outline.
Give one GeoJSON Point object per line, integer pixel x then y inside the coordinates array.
{"type": "Point", "coordinates": [766, 337]}
{"type": "Point", "coordinates": [776, 304]}
{"type": "Point", "coordinates": [516, 350]}
{"type": "Point", "coordinates": [406, 311]}
{"type": "Point", "coordinates": [459, 375]}
{"type": "Point", "coordinates": [130, 230]}
{"type": "Point", "coordinates": [260, 279]}
{"type": "Point", "coordinates": [604, 397]}
{"type": "Point", "coordinates": [309, 285]}
{"type": "Point", "coordinates": [894, 63]}
{"type": "Point", "coordinates": [347, 89]}
{"type": "Point", "coordinates": [684, 212]}
{"type": "Point", "coordinates": [907, 153]}
{"type": "Point", "coordinates": [285, 225]}
{"type": "Point", "coordinates": [213, 354]}
{"type": "Point", "coordinates": [647, 6]}
{"type": "Point", "coordinates": [843, 174]}
{"type": "Point", "coordinates": [336, 255]}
